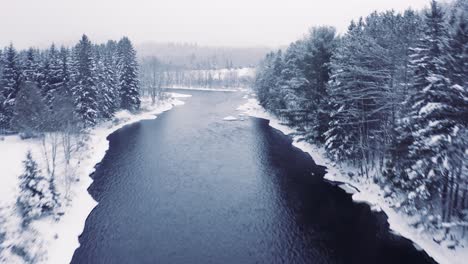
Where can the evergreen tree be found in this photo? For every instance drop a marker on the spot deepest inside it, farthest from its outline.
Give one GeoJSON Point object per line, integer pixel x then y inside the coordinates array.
{"type": "Point", "coordinates": [112, 77]}
{"type": "Point", "coordinates": [359, 78]}
{"type": "Point", "coordinates": [85, 92]}
{"type": "Point", "coordinates": [36, 199]}
{"type": "Point", "coordinates": [107, 84]}
{"type": "Point", "coordinates": [433, 122]}
{"type": "Point", "coordinates": [54, 76]}
{"type": "Point", "coordinates": [30, 66]}
{"type": "Point", "coordinates": [319, 47]}
{"type": "Point", "coordinates": [458, 50]}
{"type": "Point", "coordinates": [128, 75]}
{"type": "Point", "coordinates": [31, 114]}
{"type": "Point", "coordinates": [294, 85]}
{"type": "Point", "coordinates": [64, 72]}
{"type": "Point", "coordinates": [9, 85]}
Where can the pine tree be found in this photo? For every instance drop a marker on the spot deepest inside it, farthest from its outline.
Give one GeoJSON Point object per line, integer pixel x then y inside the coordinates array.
{"type": "Point", "coordinates": [433, 122]}
{"type": "Point", "coordinates": [30, 66]}
{"type": "Point", "coordinates": [31, 115]}
{"type": "Point", "coordinates": [9, 85]}
{"type": "Point", "coordinates": [54, 76]}
{"type": "Point", "coordinates": [84, 91]}
{"type": "Point", "coordinates": [357, 86]}
{"type": "Point", "coordinates": [64, 72]}
{"type": "Point", "coordinates": [112, 77]}
{"type": "Point", "coordinates": [264, 79]}
{"type": "Point", "coordinates": [458, 49]}
{"type": "Point", "coordinates": [107, 84]}
{"type": "Point", "coordinates": [128, 75]}
{"type": "Point", "coordinates": [294, 87]}
{"type": "Point", "coordinates": [318, 52]}
{"type": "Point", "coordinates": [36, 198]}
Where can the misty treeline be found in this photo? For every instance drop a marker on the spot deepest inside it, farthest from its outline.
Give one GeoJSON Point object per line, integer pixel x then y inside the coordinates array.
{"type": "Point", "coordinates": [56, 95]}
{"type": "Point", "coordinates": [390, 96]}
{"type": "Point", "coordinates": [155, 75]}
{"type": "Point", "coordinates": [48, 90]}
{"type": "Point", "coordinates": [189, 65]}
{"type": "Point", "coordinates": [177, 65]}
{"type": "Point", "coordinates": [186, 56]}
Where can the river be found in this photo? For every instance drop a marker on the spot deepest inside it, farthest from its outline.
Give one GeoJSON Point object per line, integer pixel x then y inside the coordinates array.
{"type": "Point", "coordinates": [189, 187]}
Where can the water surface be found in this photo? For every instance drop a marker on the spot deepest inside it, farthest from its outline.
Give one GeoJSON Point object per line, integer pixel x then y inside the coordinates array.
{"type": "Point", "coordinates": [189, 187]}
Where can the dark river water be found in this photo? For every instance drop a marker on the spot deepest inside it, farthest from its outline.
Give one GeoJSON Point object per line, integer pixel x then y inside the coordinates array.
{"type": "Point", "coordinates": [189, 187]}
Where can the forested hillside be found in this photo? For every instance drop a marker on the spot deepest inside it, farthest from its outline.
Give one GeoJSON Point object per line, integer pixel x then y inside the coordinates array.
{"type": "Point", "coordinates": [390, 97]}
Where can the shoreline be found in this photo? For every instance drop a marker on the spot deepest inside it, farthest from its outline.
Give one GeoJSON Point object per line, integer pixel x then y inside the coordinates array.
{"type": "Point", "coordinates": [81, 212]}
{"type": "Point", "coordinates": [362, 192]}
{"type": "Point", "coordinates": [205, 89]}
{"type": "Point", "coordinates": [48, 240]}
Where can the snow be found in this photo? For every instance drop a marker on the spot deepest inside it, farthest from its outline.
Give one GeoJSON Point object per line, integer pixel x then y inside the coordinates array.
{"type": "Point", "coordinates": [429, 108]}
{"type": "Point", "coordinates": [230, 118]}
{"type": "Point", "coordinates": [225, 72]}
{"type": "Point", "coordinates": [349, 189]}
{"type": "Point", "coordinates": [179, 95]}
{"type": "Point", "coordinates": [367, 192]}
{"type": "Point", "coordinates": [214, 89]}
{"type": "Point", "coordinates": [48, 239]}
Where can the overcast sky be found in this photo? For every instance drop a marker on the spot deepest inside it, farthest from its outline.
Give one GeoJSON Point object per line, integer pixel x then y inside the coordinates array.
{"type": "Point", "coordinates": [207, 22]}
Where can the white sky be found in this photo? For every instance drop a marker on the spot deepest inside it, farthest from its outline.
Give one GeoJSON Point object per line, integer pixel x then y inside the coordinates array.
{"type": "Point", "coordinates": [207, 22]}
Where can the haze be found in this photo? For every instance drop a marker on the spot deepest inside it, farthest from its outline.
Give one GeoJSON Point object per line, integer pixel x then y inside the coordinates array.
{"type": "Point", "coordinates": [206, 22]}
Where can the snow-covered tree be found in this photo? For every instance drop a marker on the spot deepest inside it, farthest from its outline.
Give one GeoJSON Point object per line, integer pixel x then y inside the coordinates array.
{"type": "Point", "coordinates": [64, 72]}
{"type": "Point", "coordinates": [107, 83]}
{"type": "Point", "coordinates": [359, 83]}
{"type": "Point", "coordinates": [30, 66]}
{"type": "Point", "coordinates": [85, 93]}
{"type": "Point", "coordinates": [128, 75]}
{"type": "Point", "coordinates": [54, 77]}
{"type": "Point", "coordinates": [434, 121]}
{"type": "Point", "coordinates": [30, 115]}
{"type": "Point", "coordinates": [319, 47]}
{"type": "Point", "coordinates": [36, 195]}
{"type": "Point", "coordinates": [9, 86]}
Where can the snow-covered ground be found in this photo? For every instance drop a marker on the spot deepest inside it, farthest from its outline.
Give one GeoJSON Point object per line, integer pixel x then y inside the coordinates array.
{"type": "Point", "coordinates": [230, 118]}
{"type": "Point", "coordinates": [51, 240]}
{"type": "Point", "coordinates": [366, 192]}
{"type": "Point", "coordinates": [224, 73]}
{"type": "Point", "coordinates": [214, 89]}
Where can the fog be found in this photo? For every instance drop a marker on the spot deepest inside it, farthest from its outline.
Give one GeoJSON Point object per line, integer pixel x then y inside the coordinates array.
{"type": "Point", "coordinates": [206, 22]}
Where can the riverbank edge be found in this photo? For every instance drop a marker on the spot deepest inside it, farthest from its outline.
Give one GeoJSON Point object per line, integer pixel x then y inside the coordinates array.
{"type": "Point", "coordinates": [53, 241]}
{"type": "Point", "coordinates": [214, 89]}
{"type": "Point", "coordinates": [362, 192]}
{"type": "Point", "coordinates": [100, 145]}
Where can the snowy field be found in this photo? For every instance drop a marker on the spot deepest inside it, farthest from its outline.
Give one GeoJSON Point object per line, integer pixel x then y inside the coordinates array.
{"type": "Point", "coordinates": [54, 239]}
{"type": "Point", "coordinates": [367, 192]}
{"type": "Point", "coordinates": [214, 89]}
{"type": "Point", "coordinates": [225, 73]}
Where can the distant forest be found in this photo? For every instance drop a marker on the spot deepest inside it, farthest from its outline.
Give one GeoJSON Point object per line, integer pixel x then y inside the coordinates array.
{"type": "Point", "coordinates": [195, 57]}
{"type": "Point", "coordinates": [183, 65]}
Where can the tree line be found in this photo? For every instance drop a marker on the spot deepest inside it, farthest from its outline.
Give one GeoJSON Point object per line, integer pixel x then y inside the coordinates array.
{"type": "Point", "coordinates": [389, 96]}
{"type": "Point", "coordinates": [56, 94]}
{"type": "Point", "coordinates": [44, 90]}
{"type": "Point", "coordinates": [156, 75]}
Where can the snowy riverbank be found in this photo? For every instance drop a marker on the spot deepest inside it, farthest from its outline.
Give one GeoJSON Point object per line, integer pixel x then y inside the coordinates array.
{"type": "Point", "coordinates": [49, 240]}
{"type": "Point", "coordinates": [213, 89]}
{"type": "Point", "coordinates": [366, 192]}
